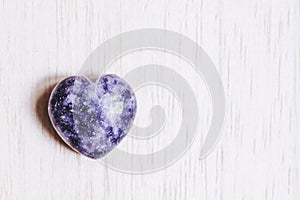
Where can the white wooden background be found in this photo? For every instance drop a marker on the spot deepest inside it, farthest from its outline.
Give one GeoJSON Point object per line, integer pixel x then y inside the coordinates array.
{"type": "Point", "coordinates": [255, 45]}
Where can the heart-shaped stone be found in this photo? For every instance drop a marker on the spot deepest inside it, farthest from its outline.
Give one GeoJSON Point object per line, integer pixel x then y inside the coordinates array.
{"type": "Point", "coordinates": [92, 118]}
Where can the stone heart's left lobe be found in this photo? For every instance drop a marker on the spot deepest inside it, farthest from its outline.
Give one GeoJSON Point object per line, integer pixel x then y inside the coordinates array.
{"type": "Point", "coordinates": [92, 118]}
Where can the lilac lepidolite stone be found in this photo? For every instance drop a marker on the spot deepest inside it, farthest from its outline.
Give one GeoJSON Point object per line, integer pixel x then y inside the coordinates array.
{"type": "Point", "coordinates": [92, 118]}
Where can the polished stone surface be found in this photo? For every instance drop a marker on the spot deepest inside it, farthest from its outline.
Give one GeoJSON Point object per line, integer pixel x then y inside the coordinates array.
{"type": "Point", "coordinates": [92, 118]}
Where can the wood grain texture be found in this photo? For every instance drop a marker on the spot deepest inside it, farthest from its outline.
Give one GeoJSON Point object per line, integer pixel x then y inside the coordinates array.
{"type": "Point", "coordinates": [255, 45]}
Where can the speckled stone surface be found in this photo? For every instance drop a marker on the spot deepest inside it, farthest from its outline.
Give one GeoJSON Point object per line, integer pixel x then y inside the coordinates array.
{"type": "Point", "coordinates": [92, 118]}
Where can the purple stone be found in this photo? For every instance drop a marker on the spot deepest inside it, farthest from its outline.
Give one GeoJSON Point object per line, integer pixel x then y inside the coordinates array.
{"type": "Point", "coordinates": [92, 118]}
